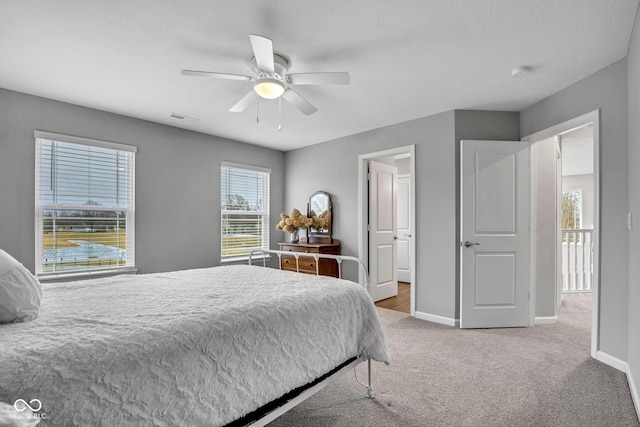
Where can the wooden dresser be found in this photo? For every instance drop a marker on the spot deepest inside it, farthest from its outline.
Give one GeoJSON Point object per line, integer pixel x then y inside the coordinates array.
{"type": "Point", "coordinates": [326, 267]}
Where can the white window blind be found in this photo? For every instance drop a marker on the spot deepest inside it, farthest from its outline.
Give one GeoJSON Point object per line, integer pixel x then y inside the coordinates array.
{"type": "Point", "coordinates": [85, 212]}
{"type": "Point", "coordinates": [244, 209]}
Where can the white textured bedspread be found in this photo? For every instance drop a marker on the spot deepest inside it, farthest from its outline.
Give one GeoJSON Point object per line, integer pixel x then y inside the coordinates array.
{"type": "Point", "coordinates": [196, 347]}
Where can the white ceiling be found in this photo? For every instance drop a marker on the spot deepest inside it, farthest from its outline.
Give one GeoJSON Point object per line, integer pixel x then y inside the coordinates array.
{"type": "Point", "coordinates": [406, 59]}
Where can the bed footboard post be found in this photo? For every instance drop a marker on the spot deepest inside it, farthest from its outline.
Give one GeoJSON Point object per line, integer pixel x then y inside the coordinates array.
{"type": "Point", "coordinates": [370, 394]}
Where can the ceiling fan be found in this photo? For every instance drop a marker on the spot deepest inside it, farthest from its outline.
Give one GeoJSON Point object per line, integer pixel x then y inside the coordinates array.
{"type": "Point", "coordinates": [272, 79]}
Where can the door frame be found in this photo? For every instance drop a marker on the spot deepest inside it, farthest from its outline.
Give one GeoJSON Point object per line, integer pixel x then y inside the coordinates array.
{"type": "Point", "coordinates": [363, 209]}
{"type": "Point", "coordinates": [592, 118]}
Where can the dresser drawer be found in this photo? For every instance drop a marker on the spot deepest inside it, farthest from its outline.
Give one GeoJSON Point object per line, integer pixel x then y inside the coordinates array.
{"type": "Point", "coordinates": [305, 264]}
{"type": "Point", "coordinates": [296, 248]}
{"type": "Point", "coordinates": [324, 267]}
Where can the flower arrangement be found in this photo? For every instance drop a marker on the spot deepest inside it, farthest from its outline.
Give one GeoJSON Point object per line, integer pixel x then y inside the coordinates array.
{"type": "Point", "coordinates": [293, 223]}
{"type": "Point", "coordinates": [320, 222]}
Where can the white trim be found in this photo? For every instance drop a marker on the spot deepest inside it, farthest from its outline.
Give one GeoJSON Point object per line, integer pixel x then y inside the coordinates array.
{"type": "Point", "coordinates": [245, 166]}
{"type": "Point", "coordinates": [363, 208]}
{"type": "Point", "coordinates": [533, 229]}
{"type": "Point", "coordinates": [40, 134]}
{"type": "Point", "coordinates": [623, 366]}
{"type": "Point", "coordinates": [437, 319]}
{"type": "Point", "coordinates": [545, 320]}
{"type": "Point", "coordinates": [635, 395]}
{"type": "Point", "coordinates": [564, 127]}
{"type": "Point", "coordinates": [558, 223]}
{"type": "Point", "coordinates": [592, 118]}
{"type": "Point", "coordinates": [614, 362]}
{"type": "Point", "coordinates": [92, 274]}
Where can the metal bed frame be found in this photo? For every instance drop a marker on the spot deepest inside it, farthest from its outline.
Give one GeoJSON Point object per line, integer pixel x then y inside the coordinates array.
{"type": "Point", "coordinates": [316, 387]}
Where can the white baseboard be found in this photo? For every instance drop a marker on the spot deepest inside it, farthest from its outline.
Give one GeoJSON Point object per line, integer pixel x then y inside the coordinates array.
{"type": "Point", "coordinates": [635, 396]}
{"type": "Point", "coordinates": [614, 362]}
{"type": "Point", "coordinates": [437, 319]}
{"type": "Point", "coordinates": [541, 320]}
{"type": "Point", "coordinates": [620, 365]}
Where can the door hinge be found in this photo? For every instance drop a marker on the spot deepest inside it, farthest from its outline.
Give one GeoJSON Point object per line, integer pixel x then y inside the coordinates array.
{"type": "Point", "coordinates": [368, 176]}
{"type": "Point", "coordinates": [368, 227]}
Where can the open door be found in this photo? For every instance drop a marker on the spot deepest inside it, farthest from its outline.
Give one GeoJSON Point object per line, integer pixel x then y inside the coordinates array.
{"type": "Point", "coordinates": [494, 247]}
{"type": "Point", "coordinates": [383, 187]}
{"type": "Point", "coordinates": [404, 228]}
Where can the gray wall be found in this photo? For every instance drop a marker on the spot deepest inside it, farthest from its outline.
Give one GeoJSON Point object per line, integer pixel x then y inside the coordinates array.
{"type": "Point", "coordinates": [177, 180]}
{"type": "Point", "coordinates": [633, 156]}
{"type": "Point", "coordinates": [333, 167]}
{"type": "Point", "coordinates": [605, 90]}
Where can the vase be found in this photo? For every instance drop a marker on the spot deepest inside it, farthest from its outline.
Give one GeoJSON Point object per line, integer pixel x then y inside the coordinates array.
{"type": "Point", "coordinates": [295, 238]}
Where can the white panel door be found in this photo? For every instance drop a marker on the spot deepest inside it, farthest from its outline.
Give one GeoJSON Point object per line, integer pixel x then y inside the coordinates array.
{"type": "Point", "coordinates": [494, 289]}
{"type": "Point", "coordinates": [383, 185]}
{"type": "Point", "coordinates": [404, 228]}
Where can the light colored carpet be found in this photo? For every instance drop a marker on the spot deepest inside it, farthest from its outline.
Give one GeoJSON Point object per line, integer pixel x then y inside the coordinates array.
{"type": "Point", "coordinates": [445, 376]}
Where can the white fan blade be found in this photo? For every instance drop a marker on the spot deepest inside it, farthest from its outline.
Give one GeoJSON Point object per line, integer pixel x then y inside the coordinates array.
{"type": "Point", "coordinates": [197, 73]}
{"type": "Point", "coordinates": [263, 51]}
{"type": "Point", "coordinates": [339, 78]}
{"type": "Point", "coordinates": [244, 102]}
{"type": "Point", "coordinates": [299, 102]}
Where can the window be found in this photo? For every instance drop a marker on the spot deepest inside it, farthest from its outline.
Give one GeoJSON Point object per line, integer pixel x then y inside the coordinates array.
{"type": "Point", "coordinates": [244, 200]}
{"type": "Point", "coordinates": [572, 209]}
{"type": "Point", "coordinates": [84, 205]}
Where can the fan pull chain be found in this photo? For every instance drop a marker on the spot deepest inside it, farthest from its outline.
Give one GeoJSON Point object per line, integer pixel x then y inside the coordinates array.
{"type": "Point", "coordinates": [257, 111]}
{"type": "Point", "coordinates": [280, 113]}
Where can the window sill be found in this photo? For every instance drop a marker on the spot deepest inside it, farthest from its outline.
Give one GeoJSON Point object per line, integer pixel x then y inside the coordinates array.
{"type": "Point", "coordinates": [68, 277]}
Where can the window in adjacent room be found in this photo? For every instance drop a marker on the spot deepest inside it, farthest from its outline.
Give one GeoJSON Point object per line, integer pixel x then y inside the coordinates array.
{"type": "Point", "coordinates": [572, 209]}
{"type": "Point", "coordinates": [84, 205]}
{"type": "Point", "coordinates": [244, 210]}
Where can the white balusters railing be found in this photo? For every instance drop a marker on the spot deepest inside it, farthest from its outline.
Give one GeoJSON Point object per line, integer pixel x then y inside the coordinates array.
{"type": "Point", "coordinates": [577, 260]}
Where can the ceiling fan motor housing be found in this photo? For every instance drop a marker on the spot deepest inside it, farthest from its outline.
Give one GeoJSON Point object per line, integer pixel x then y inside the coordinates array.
{"type": "Point", "coordinates": [280, 67]}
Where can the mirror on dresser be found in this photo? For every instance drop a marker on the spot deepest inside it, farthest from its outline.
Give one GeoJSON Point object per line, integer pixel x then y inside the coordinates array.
{"type": "Point", "coordinates": [321, 210]}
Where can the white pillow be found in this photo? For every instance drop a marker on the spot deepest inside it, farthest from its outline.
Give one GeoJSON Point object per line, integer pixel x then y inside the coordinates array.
{"type": "Point", "coordinates": [20, 291]}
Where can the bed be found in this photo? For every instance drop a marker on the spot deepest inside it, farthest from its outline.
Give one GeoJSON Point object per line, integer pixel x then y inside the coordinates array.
{"type": "Point", "coordinates": [213, 346]}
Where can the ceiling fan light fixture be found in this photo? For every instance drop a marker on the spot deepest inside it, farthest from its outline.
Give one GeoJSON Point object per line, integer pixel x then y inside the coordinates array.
{"type": "Point", "coordinates": [269, 88]}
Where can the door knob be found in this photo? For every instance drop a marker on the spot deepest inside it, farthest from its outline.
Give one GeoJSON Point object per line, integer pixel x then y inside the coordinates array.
{"type": "Point", "coordinates": [469, 244]}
